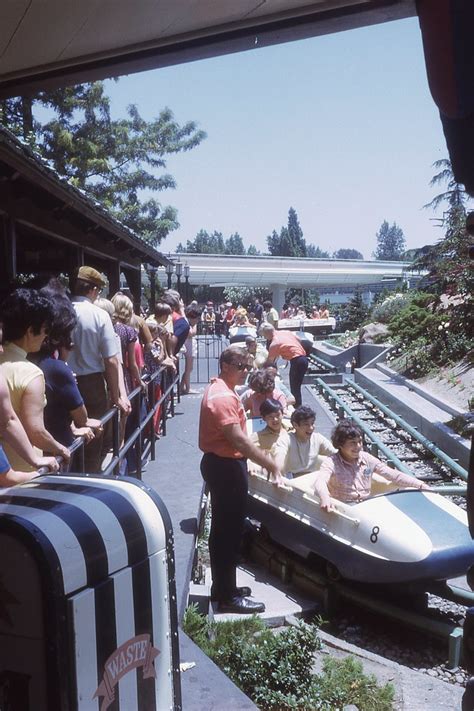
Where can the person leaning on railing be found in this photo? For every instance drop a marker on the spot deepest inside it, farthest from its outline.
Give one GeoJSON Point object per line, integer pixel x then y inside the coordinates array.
{"type": "Point", "coordinates": [13, 433]}
{"type": "Point", "coordinates": [65, 414]}
{"type": "Point", "coordinates": [27, 317]}
{"type": "Point", "coordinates": [94, 359]}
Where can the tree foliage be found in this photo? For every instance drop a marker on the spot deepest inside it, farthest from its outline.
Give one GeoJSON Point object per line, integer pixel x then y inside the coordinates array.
{"type": "Point", "coordinates": [245, 295]}
{"type": "Point", "coordinates": [447, 262]}
{"type": "Point", "coordinates": [234, 244]}
{"type": "Point", "coordinates": [214, 243]}
{"type": "Point", "coordinates": [390, 242]}
{"type": "Point", "coordinates": [290, 241]}
{"type": "Point", "coordinates": [356, 311]}
{"type": "Point", "coordinates": [347, 254]}
{"type": "Point", "coordinates": [119, 162]}
{"type": "Point", "coordinates": [205, 243]}
{"type": "Point", "coordinates": [316, 253]}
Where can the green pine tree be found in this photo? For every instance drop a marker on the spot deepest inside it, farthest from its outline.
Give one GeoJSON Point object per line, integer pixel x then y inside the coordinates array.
{"type": "Point", "coordinates": [390, 242]}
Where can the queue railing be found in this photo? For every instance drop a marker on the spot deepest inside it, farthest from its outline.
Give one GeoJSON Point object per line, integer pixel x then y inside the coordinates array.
{"type": "Point", "coordinates": [143, 437]}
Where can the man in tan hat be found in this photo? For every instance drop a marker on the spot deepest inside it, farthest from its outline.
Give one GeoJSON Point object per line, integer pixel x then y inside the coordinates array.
{"type": "Point", "coordinates": [94, 359]}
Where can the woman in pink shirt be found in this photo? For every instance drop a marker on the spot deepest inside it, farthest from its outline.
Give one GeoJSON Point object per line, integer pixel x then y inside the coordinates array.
{"type": "Point", "coordinates": [347, 475]}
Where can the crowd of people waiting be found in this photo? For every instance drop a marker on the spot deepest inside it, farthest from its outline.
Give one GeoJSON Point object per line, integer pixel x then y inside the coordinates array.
{"type": "Point", "coordinates": [67, 358]}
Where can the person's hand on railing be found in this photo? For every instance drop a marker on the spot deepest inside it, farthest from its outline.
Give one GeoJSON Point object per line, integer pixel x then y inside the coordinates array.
{"type": "Point", "coordinates": [50, 463]}
{"type": "Point", "coordinates": [85, 432]}
{"type": "Point", "coordinates": [94, 425]}
{"type": "Point", "coordinates": [64, 453]}
{"type": "Point", "coordinates": [170, 362]}
{"type": "Point", "coordinates": [124, 405]}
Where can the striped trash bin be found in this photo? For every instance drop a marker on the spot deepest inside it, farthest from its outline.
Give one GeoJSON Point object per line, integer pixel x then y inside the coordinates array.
{"type": "Point", "coordinates": [88, 616]}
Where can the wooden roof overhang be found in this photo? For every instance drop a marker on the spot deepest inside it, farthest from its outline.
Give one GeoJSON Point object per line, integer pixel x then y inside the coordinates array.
{"type": "Point", "coordinates": [48, 225]}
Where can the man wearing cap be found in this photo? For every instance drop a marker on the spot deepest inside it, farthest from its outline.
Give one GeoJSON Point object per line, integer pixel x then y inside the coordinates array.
{"type": "Point", "coordinates": [94, 358]}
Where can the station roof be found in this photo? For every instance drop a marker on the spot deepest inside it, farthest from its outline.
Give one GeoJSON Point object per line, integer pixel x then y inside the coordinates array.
{"type": "Point", "coordinates": [227, 270]}
{"type": "Point", "coordinates": [45, 44]}
{"type": "Point", "coordinates": [31, 184]}
{"type": "Point", "coordinates": [49, 43]}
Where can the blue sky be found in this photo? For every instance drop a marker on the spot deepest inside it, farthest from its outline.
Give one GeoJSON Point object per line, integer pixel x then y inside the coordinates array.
{"type": "Point", "coordinates": [340, 127]}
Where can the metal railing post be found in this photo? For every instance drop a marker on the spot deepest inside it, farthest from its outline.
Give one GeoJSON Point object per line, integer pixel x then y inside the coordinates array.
{"type": "Point", "coordinates": [138, 441]}
{"type": "Point", "coordinates": [152, 401]}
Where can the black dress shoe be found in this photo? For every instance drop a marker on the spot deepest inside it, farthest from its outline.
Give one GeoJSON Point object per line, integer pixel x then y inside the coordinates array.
{"type": "Point", "coordinates": [241, 605]}
{"type": "Point", "coordinates": [239, 592]}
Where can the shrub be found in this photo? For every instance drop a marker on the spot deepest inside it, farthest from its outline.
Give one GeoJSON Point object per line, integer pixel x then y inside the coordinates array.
{"type": "Point", "coordinates": [343, 682]}
{"type": "Point", "coordinates": [275, 669]}
{"type": "Point", "coordinates": [390, 307]}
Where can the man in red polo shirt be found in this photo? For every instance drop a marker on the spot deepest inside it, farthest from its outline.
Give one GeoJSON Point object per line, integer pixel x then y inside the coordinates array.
{"type": "Point", "coordinates": [223, 439]}
{"type": "Point", "coordinates": [285, 344]}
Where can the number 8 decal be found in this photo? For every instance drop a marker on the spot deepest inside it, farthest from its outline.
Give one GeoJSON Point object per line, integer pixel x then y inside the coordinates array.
{"type": "Point", "coordinates": [374, 536]}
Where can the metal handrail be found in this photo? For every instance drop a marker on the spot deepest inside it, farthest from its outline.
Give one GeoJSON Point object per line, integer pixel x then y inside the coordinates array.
{"type": "Point", "coordinates": [113, 414]}
{"type": "Point", "coordinates": [377, 443]}
{"type": "Point", "coordinates": [413, 432]}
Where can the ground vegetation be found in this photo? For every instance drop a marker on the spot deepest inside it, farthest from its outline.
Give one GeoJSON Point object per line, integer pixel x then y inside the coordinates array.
{"type": "Point", "coordinates": [275, 669]}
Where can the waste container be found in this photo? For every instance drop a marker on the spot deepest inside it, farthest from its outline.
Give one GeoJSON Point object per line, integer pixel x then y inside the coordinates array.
{"type": "Point", "coordinates": [88, 616]}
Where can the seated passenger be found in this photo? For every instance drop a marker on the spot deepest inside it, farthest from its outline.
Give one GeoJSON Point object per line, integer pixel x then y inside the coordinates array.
{"type": "Point", "coordinates": [262, 387]}
{"type": "Point", "coordinates": [301, 452]}
{"type": "Point", "coordinates": [347, 475]}
{"type": "Point", "coordinates": [241, 318]}
{"type": "Point", "coordinates": [279, 383]}
{"type": "Point", "coordinates": [324, 312]}
{"type": "Point", "coordinates": [271, 411]}
{"type": "Point", "coordinates": [257, 351]}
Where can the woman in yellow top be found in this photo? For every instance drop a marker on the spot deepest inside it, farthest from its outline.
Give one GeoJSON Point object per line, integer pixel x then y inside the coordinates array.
{"type": "Point", "coordinates": [26, 317]}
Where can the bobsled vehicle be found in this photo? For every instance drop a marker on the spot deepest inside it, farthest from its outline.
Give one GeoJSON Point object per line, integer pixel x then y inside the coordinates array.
{"type": "Point", "coordinates": [320, 326]}
{"type": "Point", "coordinates": [240, 333]}
{"type": "Point", "coordinates": [395, 536]}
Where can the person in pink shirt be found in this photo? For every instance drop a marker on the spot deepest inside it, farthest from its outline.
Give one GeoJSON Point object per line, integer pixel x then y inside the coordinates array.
{"type": "Point", "coordinates": [225, 445]}
{"type": "Point", "coordinates": [285, 344]}
{"type": "Point", "coordinates": [347, 475]}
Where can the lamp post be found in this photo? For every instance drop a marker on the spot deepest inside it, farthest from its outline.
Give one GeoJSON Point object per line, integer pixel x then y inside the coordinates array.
{"type": "Point", "coordinates": [152, 288]}
{"type": "Point", "coordinates": [169, 271]}
{"type": "Point", "coordinates": [179, 271]}
{"type": "Point", "coordinates": [186, 283]}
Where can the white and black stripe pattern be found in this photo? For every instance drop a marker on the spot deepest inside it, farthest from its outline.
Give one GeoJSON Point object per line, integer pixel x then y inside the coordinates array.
{"type": "Point", "coordinates": [109, 548]}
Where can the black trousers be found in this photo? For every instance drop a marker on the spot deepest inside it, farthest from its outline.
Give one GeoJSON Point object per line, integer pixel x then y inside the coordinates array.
{"type": "Point", "coordinates": [94, 393]}
{"type": "Point", "coordinates": [298, 368]}
{"type": "Point", "coordinates": [227, 480]}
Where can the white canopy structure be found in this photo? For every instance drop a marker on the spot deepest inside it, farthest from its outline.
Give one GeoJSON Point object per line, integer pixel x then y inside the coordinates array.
{"type": "Point", "coordinates": [280, 273]}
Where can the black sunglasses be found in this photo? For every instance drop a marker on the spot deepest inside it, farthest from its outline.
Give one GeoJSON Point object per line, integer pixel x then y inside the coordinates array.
{"type": "Point", "coordinates": [242, 366]}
